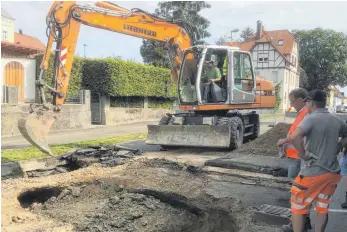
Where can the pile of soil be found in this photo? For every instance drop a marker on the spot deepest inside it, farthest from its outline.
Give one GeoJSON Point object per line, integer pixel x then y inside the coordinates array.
{"type": "Point", "coordinates": [110, 156]}
{"type": "Point", "coordinates": [266, 143]}
{"type": "Point", "coordinates": [106, 206]}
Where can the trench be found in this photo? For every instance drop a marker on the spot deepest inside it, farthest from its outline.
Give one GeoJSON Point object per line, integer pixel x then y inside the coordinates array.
{"type": "Point", "coordinates": [106, 206]}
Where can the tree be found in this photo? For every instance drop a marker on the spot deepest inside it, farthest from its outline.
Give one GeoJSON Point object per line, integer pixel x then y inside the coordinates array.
{"type": "Point", "coordinates": [222, 40]}
{"type": "Point", "coordinates": [155, 52]}
{"type": "Point", "coordinates": [323, 58]}
{"type": "Point", "coordinates": [246, 33]}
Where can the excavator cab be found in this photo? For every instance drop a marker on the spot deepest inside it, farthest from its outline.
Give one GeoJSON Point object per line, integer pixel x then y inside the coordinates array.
{"type": "Point", "coordinates": [234, 81]}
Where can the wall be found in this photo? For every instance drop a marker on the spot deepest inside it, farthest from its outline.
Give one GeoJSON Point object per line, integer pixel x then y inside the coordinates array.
{"type": "Point", "coordinates": [8, 25]}
{"type": "Point", "coordinates": [29, 75]}
{"type": "Point", "coordinates": [118, 115]}
{"type": "Point", "coordinates": [72, 116]}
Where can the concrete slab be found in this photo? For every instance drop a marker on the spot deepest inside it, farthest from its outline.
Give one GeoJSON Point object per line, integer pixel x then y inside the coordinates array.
{"type": "Point", "coordinates": [253, 163]}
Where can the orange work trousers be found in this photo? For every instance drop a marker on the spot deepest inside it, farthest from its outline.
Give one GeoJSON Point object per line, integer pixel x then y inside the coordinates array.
{"type": "Point", "coordinates": [308, 189]}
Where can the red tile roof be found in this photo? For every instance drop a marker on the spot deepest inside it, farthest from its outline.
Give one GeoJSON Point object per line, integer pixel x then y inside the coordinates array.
{"type": "Point", "coordinates": [28, 41]}
{"type": "Point", "coordinates": [24, 44]}
{"type": "Point", "coordinates": [269, 37]}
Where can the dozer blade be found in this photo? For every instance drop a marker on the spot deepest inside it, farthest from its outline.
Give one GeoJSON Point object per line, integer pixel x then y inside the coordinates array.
{"type": "Point", "coordinates": [35, 129]}
{"type": "Point", "coordinates": [189, 135]}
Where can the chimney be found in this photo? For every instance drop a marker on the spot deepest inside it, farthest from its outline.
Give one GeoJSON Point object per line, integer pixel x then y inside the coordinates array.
{"type": "Point", "coordinates": [21, 31]}
{"type": "Point", "coordinates": [259, 30]}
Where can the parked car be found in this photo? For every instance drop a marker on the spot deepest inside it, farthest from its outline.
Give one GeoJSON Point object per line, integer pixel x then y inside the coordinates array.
{"type": "Point", "coordinates": [341, 109]}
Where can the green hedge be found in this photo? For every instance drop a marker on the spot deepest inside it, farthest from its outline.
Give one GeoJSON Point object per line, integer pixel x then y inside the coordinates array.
{"type": "Point", "coordinates": [123, 78]}
{"type": "Point", "coordinates": [116, 78]}
{"type": "Point", "coordinates": [129, 102]}
{"type": "Point", "coordinates": [75, 77]}
{"type": "Point", "coordinates": [162, 103]}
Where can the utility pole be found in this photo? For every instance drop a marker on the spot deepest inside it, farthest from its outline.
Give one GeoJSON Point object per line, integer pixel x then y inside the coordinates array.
{"type": "Point", "coordinates": [84, 50]}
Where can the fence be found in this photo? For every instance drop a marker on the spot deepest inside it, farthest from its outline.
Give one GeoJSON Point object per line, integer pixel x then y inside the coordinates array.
{"type": "Point", "coordinates": [10, 95]}
{"type": "Point", "coordinates": [79, 98]}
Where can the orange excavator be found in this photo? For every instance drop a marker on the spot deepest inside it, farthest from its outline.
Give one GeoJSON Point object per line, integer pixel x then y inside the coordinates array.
{"type": "Point", "coordinates": [212, 112]}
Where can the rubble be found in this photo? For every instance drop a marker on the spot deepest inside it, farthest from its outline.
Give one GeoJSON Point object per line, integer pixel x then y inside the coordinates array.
{"type": "Point", "coordinates": [265, 144]}
{"type": "Point", "coordinates": [110, 156]}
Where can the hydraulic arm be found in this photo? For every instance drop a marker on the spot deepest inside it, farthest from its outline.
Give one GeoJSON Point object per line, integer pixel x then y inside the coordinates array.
{"type": "Point", "coordinates": [63, 24]}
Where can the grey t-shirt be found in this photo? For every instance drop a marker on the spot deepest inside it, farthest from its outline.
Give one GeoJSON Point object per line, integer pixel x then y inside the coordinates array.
{"type": "Point", "coordinates": [322, 131]}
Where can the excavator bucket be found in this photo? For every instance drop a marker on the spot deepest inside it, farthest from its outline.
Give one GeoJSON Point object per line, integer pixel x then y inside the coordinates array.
{"type": "Point", "coordinates": [35, 129]}
{"type": "Point", "coordinates": [189, 135]}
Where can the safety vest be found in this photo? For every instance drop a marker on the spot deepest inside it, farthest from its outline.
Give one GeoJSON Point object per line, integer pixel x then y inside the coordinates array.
{"type": "Point", "coordinates": [291, 152]}
{"type": "Point", "coordinates": [225, 66]}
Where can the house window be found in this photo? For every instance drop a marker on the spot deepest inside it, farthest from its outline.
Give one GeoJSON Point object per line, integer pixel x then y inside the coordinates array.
{"type": "Point", "coordinates": [263, 57]}
{"type": "Point", "coordinates": [280, 42]}
{"type": "Point", "coordinates": [4, 35]}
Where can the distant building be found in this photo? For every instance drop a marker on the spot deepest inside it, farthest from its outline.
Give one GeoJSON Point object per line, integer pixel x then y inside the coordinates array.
{"type": "Point", "coordinates": [18, 65]}
{"type": "Point", "coordinates": [335, 98]}
{"type": "Point", "coordinates": [275, 57]}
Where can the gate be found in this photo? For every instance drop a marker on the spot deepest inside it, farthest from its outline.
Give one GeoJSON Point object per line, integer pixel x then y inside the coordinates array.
{"type": "Point", "coordinates": [95, 108]}
{"type": "Point", "coordinates": [14, 76]}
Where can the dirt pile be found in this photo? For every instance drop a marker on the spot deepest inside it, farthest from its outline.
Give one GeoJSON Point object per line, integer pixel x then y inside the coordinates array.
{"type": "Point", "coordinates": [266, 143]}
{"type": "Point", "coordinates": [110, 156]}
{"type": "Point", "coordinates": [106, 206]}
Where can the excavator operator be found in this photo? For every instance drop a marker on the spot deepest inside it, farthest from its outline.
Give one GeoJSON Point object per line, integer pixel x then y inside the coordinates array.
{"type": "Point", "coordinates": [210, 74]}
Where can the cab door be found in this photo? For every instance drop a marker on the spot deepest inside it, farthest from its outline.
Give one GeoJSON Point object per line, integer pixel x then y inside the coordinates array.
{"type": "Point", "coordinates": [242, 78]}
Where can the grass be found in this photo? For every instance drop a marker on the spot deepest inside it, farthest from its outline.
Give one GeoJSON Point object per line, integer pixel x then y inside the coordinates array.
{"type": "Point", "coordinates": [265, 116]}
{"type": "Point", "coordinates": [34, 153]}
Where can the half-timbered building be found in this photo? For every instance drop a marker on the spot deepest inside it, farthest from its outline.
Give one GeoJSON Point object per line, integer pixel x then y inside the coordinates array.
{"type": "Point", "coordinates": [275, 57]}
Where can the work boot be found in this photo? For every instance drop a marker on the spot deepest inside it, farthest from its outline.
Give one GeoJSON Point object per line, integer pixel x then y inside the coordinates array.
{"type": "Point", "coordinates": [344, 205]}
{"type": "Point", "coordinates": [289, 227]}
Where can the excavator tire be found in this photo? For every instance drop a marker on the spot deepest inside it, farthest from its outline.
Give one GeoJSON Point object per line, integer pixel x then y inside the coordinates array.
{"type": "Point", "coordinates": [256, 127]}
{"type": "Point", "coordinates": [237, 130]}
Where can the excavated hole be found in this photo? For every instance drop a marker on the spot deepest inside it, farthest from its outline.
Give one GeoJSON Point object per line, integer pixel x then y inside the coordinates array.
{"type": "Point", "coordinates": [41, 195]}
{"type": "Point", "coordinates": [106, 206]}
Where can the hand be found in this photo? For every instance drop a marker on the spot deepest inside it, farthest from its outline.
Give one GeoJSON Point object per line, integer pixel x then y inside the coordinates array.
{"type": "Point", "coordinates": [281, 142]}
{"type": "Point", "coordinates": [281, 152]}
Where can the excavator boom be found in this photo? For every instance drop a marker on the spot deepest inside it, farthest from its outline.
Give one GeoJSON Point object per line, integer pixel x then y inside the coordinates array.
{"type": "Point", "coordinates": [63, 25]}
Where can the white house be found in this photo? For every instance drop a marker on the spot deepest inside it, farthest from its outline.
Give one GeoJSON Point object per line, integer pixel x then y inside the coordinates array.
{"type": "Point", "coordinates": [18, 64]}
{"type": "Point", "coordinates": [275, 57]}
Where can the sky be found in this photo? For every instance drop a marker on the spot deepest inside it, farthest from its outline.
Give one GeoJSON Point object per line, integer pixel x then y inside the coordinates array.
{"type": "Point", "coordinates": [224, 17]}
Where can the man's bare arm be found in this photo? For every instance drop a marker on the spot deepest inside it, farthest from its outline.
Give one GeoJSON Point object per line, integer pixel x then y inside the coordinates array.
{"type": "Point", "coordinates": [298, 143]}
{"type": "Point", "coordinates": [298, 133]}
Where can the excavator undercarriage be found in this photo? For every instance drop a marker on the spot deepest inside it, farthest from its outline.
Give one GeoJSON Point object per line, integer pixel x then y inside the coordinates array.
{"type": "Point", "coordinates": [196, 130]}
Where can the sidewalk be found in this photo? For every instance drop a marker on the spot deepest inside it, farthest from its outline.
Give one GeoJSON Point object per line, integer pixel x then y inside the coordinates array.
{"type": "Point", "coordinates": [98, 132]}
{"type": "Point", "coordinates": [72, 136]}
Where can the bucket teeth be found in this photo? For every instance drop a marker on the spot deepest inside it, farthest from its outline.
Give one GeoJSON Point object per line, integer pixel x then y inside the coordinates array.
{"type": "Point", "coordinates": [35, 129]}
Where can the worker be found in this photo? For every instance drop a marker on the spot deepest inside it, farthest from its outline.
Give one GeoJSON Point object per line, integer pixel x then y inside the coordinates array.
{"type": "Point", "coordinates": [320, 171]}
{"type": "Point", "coordinates": [210, 74]}
{"type": "Point", "coordinates": [296, 100]}
{"type": "Point", "coordinates": [343, 166]}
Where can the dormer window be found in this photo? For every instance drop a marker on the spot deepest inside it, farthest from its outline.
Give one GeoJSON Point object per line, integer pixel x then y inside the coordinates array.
{"type": "Point", "coordinates": [280, 42]}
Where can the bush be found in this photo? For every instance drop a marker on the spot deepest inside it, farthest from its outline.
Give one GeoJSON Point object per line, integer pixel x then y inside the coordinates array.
{"type": "Point", "coordinates": [115, 77]}
{"type": "Point", "coordinates": [123, 78]}
{"type": "Point", "coordinates": [75, 77]}
{"type": "Point", "coordinates": [129, 102]}
{"type": "Point", "coordinates": [162, 103]}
